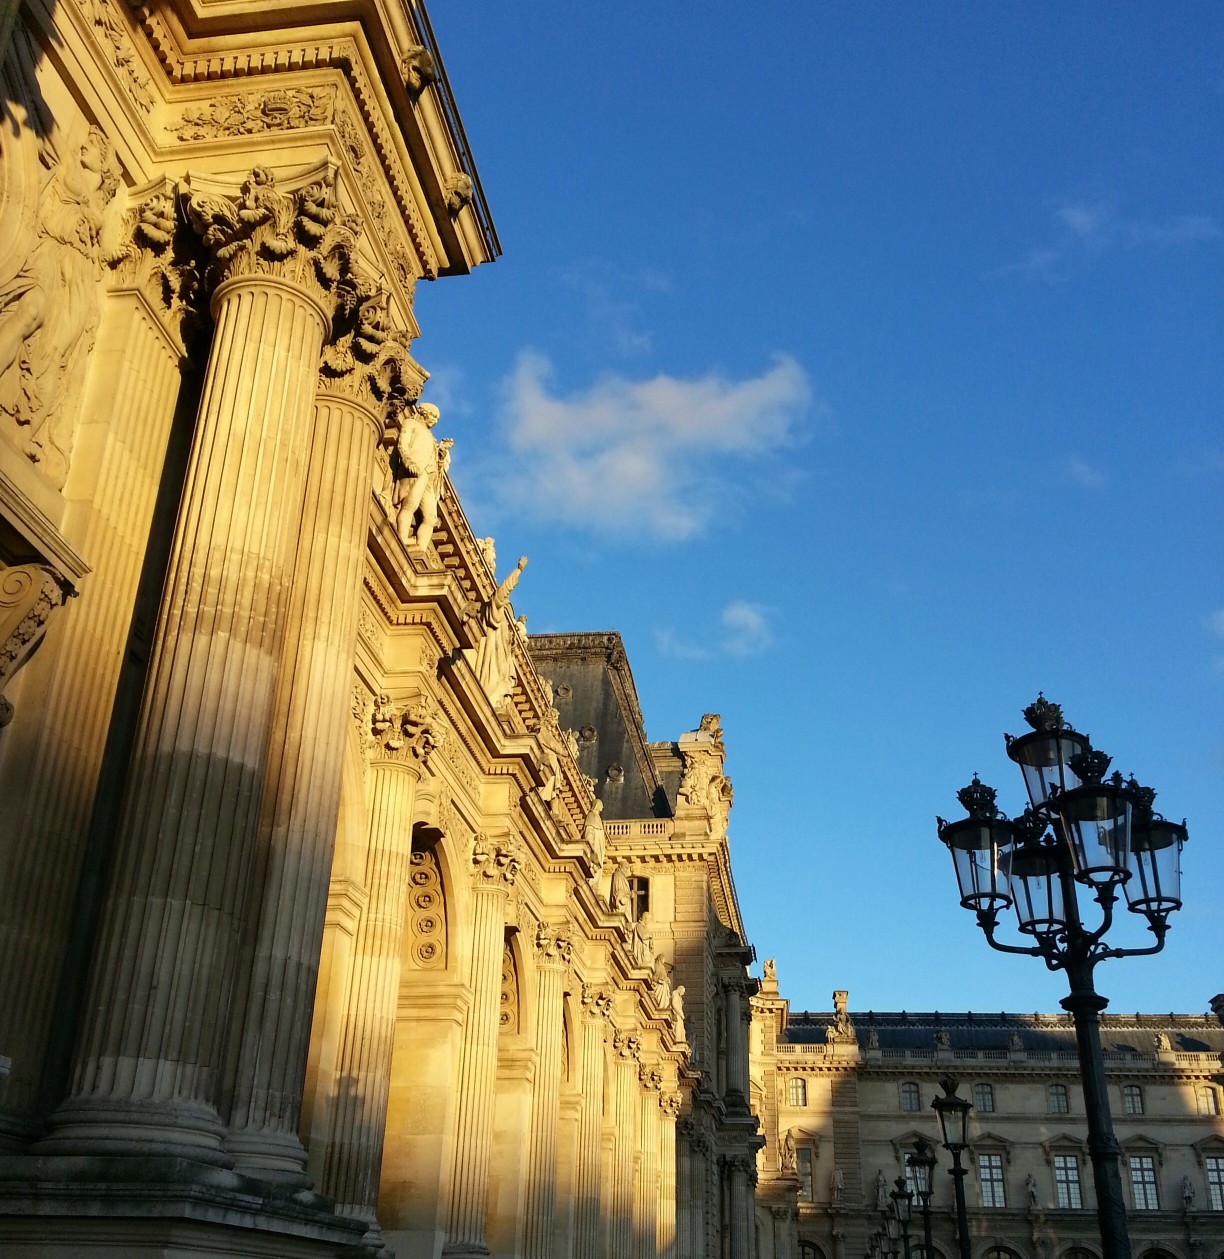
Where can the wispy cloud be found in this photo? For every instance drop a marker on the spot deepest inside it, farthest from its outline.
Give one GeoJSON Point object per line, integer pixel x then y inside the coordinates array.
{"type": "Point", "coordinates": [657, 458]}
{"type": "Point", "coordinates": [611, 306]}
{"type": "Point", "coordinates": [1215, 623]}
{"type": "Point", "coordinates": [743, 630]}
{"type": "Point", "coordinates": [1084, 474]}
{"type": "Point", "coordinates": [1082, 228]}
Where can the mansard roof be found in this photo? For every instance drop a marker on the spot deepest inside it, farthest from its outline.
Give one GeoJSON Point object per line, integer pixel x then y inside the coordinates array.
{"type": "Point", "coordinates": [993, 1033]}
{"type": "Point", "coordinates": [596, 698]}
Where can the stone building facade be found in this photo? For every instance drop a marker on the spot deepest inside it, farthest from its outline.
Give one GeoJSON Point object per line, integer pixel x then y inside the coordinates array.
{"type": "Point", "coordinates": [843, 1097]}
{"type": "Point", "coordinates": [320, 925]}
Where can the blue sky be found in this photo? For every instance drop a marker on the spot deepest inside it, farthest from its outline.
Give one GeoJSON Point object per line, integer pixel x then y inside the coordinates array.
{"type": "Point", "coordinates": [861, 365]}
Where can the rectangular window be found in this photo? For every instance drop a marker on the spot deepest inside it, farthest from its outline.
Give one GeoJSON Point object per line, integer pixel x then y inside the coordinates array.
{"type": "Point", "coordinates": [911, 1099]}
{"type": "Point", "coordinates": [639, 897]}
{"type": "Point", "coordinates": [803, 1162]}
{"type": "Point", "coordinates": [1215, 1181]}
{"type": "Point", "coordinates": [990, 1176]}
{"type": "Point", "coordinates": [1132, 1099]}
{"type": "Point", "coordinates": [1067, 1182]}
{"type": "Point", "coordinates": [1057, 1101]}
{"type": "Point", "coordinates": [983, 1098]}
{"type": "Point", "coordinates": [1143, 1182]}
{"type": "Point", "coordinates": [1208, 1101]}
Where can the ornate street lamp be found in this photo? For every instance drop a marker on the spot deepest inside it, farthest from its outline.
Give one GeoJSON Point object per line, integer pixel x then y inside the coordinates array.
{"type": "Point", "coordinates": [922, 1170]}
{"type": "Point", "coordinates": [1080, 830]}
{"type": "Point", "coordinates": [903, 1202]}
{"type": "Point", "coordinates": [953, 1113]}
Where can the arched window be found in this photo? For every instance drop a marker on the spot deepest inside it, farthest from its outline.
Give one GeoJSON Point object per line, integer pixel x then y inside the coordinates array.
{"type": "Point", "coordinates": [808, 1251]}
{"type": "Point", "coordinates": [1078, 1252]}
{"type": "Point", "coordinates": [911, 1097]}
{"type": "Point", "coordinates": [1058, 1100]}
{"type": "Point", "coordinates": [1132, 1099]}
{"type": "Point", "coordinates": [1000, 1252]}
{"type": "Point", "coordinates": [1208, 1100]}
{"type": "Point", "coordinates": [983, 1098]}
{"type": "Point", "coordinates": [796, 1092]}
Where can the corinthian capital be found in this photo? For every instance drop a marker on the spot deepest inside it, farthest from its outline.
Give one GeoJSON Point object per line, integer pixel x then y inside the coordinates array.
{"type": "Point", "coordinates": [408, 735]}
{"type": "Point", "coordinates": [597, 1002]}
{"type": "Point", "coordinates": [494, 862]}
{"type": "Point", "coordinates": [300, 236]}
{"type": "Point", "coordinates": [553, 948]}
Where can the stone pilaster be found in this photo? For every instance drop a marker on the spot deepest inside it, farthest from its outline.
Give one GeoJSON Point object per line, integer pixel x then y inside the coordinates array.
{"type": "Point", "coordinates": [56, 749]}
{"type": "Point", "coordinates": [301, 788]}
{"type": "Point", "coordinates": [683, 1204]}
{"type": "Point", "coordinates": [553, 952]}
{"type": "Point", "coordinates": [624, 1146]}
{"type": "Point", "coordinates": [495, 867]}
{"type": "Point", "coordinates": [667, 1212]}
{"type": "Point", "coordinates": [743, 1223]}
{"type": "Point", "coordinates": [400, 743]}
{"type": "Point", "coordinates": [738, 1015]}
{"type": "Point", "coordinates": [596, 1007]}
{"type": "Point", "coordinates": [151, 1050]}
{"type": "Point", "coordinates": [646, 1206]}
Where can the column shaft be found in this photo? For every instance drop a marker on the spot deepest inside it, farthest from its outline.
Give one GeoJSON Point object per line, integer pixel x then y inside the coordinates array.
{"type": "Point", "coordinates": [545, 1099]}
{"type": "Point", "coordinates": [684, 1192]}
{"type": "Point", "coordinates": [353, 1157]}
{"type": "Point", "coordinates": [590, 1127]}
{"type": "Point", "coordinates": [736, 1090]}
{"type": "Point", "coordinates": [53, 762]}
{"type": "Point", "coordinates": [667, 1184]}
{"type": "Point", "coordinates": [301, 792]}
{"type": "Point", "coordinates": [741, 1210]}
{"type": "Point", "coordinates": [620, 1226]}
{"type": "Point", "coordinates": [160, 997]}
{"type": "Point", "coordinates": [477, 1076]}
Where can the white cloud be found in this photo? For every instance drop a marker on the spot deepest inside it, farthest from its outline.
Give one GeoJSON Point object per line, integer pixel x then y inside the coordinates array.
{"type": "Point", "coordinates": [1079, 472]}
{"type": "Point", "coordinates": [1216, 621]}
{"type": "Point", "coordinates": [744, 630]}
{"type": "Point", "coordinates": [660, 457]}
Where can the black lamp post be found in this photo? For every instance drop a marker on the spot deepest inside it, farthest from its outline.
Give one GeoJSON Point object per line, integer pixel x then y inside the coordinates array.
{"type": "Point", "coordinates": [953, 1112]}
{"type": "Point", "coordinates": [922, 1168]}
{"type": "Point", "coordinates": [903, 1203]}
{"type": "Point", "coordinates": [1079, 830]}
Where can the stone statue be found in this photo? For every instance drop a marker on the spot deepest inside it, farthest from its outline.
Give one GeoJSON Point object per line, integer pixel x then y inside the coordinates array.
{"type": "Point", "coordinates": [660, 985]}
{"type": "Point", "coordinates": [49, 308]}
{"type": "Point", "coordinates": [1014, 1043]}
{"type": "Point", "coordinates": [494, 663]}
{"type": "Point", "coordinates": [520, 626]}
{"type": "Point", "coordinates": [771, 971]}
{"type": "Point", "coordinates": [873, 1039]}
{"type": "Point", "coordinates": [837, 1184]}
{"type": "Point", "coordinates": [942, 1039]}
{"type": "Point", "coordinates": [679, 1025]}
{"type": "Point", "coordinates": [1187, 1192]}
{"type": "Point", "coordinates": [595, 836]}
{"type": "Point", "coordinates": [489, 553]}
{"type": "Point", "coordinates": [618, 897]}
{"type": "Point", "coordinates": [1030, 1187]}
{"type": "Point", "coordinates": [883, 1201]}
{"type": "Point", "coordinates": [788, 1152]}
{"type": "Point", "coordinates": [1163, 1044]}
{"type": "Point", "coordinates": [420, 468]}
{"type": "Point", "coordinates": [643, 941]}
{"type": "Point", "coordinates": [552, 745]}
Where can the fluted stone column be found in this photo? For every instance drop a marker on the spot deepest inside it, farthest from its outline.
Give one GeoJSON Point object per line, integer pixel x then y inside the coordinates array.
{"type": "Point", "coordinates": [624, 1145]}
{"type": "Point", "coordinates": [646, 1207]}
{"type": "Point", "coordinates": [553, 952]}
{"type": "Point", "coordinates": [742, 1223]}
{"type": "Point", "coordinates": [152, 1045]}
{"type": "Point", "coordinates": [301, 791]}
{"type": "Point", "coordinates": [685, 1245]}
{"type": "Point", "coordinates": [670, 1109]}
{"type": "Point", "coordinates": [596, 1007]}
{"type": "Point", "coordinates": [495, 867]}
{"type": "Point", "coordinates": [55, 751]}
{"type": "Point", "coordinates": [400, 741]}
{"type": "Point", "coordinates": [737, 1056]}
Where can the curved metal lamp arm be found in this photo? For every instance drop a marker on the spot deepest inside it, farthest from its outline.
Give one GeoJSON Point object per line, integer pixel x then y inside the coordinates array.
{"type": "Point", "coordinates": [988, 921]}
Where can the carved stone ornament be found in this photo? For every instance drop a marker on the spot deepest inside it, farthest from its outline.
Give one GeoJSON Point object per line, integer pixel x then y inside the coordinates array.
{"type": "Point", "coordinates": [115, 40]}
{"type": "Point", "coordinates": [419, 464]}
{"type": "Point", "coordinates": [155, 255]}
{"type": "Point", "coordinates": [252, 113]}
{"type": "Point", "coordinates": [597, 1002]}
{"type": "Point", "coordinates": [51, 239]}
{"type": "Point", "coordinates": [495, 862]}
{"type": "Point", "coordinates": [409, 735]}
{"type": "Point", "coordinates": [299, 236]}
{"type": "Point", "coordinates": [553, 948]}
{"type": "Point", "coordinates": [418, 70]}
{"type": "Point", "coordinates": [29, 593]}
{"type": "Point", "coordinates": [670, 1104]}
{"type": "Point", "coordinates": [458, 192]}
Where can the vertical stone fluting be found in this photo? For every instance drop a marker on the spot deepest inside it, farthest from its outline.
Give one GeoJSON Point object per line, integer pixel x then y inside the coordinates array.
{"type": "Point", "coordinates": [150, 1050]}
{"type": "Point", "coordinates": [495, 868]}
{"type": "Point", "coordinates": [683, 1202]}
{"type": "Point", "coordinates": [553, 951]}
{"type": "Point", "coordinates": [737, 1062]}
{"type": "Point", "coordinates": [52, 768]}
{"type": "Point", "coordinates": [353, 1156]}
{"type": "Point", "coordinates": [666, 1244]}
{"type": "Point", "coordinates": [646, 1207]}
{"type": "Point", "coordinates": [620, 1226]}
{"type": "Point", "coordinates": [596, 1005]}
{"type": "Point", "coordinates": [301, 792]}
{"type": "Point", "coordinates": [742, 1222]}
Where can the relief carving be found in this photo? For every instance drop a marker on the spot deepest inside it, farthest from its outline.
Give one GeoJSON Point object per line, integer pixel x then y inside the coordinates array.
{"type": "Point", "coordinates": [300, 236]}
{"type": "Point", "coordinates": [250, 113]}
{"type": "Point", "coordinates": [49, 303]}
{"type": "Point", "coordinates": [115, 40]}
{"type": "Point", "coordinates": [29, 593]}
{"type": "Point", "coordinates": [407, 735]}
{"type": "Point", "coordinates": [553, 948]}
{"type": "Point", "coordinates": [418, 71]}
{"type": "Point", "coordinates": [427, 913]}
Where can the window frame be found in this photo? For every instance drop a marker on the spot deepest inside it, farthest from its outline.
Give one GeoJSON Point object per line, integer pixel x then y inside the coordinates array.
{"type": "Point", "coordinates": [1060, 1091]}
{"type": "Point", "coordinates": [984, 1091]}
{"type": "Point", "coordinates": [1208, 1101]}
{"type": "Point", "coordinates": [998, 1184]}
{"type": "Point", "coordinates": [1133, 1102]}
{"type": "Point", "coordinates": [805, 1155]}
{"type": "Point", "coordinates": [905, 1096]}
{"type": "Point", "coordinates": [1069, 1186]}
{"type": "Point", "coordinates": [1148, 1180]}
{"type": "Point", "coordinates": [797, 1092]}
{"type": "Point", "coordinates": [1213, 1171]}
{"type": "Point", "coordinates": [639, 896]}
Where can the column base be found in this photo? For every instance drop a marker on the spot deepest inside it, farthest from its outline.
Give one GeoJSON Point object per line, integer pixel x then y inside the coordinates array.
{"type": "Point", "coordinates": [162, 1208]}
{"type": "Point", "coordinates": [278, 1157]}
{"type": "Point", "coordinates": [105, 1127]}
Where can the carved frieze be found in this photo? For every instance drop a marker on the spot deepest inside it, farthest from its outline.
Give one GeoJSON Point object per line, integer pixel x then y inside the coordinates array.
{"type": "Point", "coordinates": [252, 113]}
{"type": "Point", "coordinates": [115, 41]}
{"type": "Point", "coordinates": [29, 593]}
